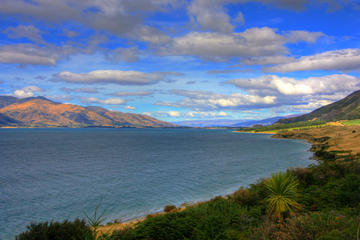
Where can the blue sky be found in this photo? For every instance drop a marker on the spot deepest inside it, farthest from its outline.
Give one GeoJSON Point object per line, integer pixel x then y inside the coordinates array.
{"type": "Point", "coordinates": [182, 60]}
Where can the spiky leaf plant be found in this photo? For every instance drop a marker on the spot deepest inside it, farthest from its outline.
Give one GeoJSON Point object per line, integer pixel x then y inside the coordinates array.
{"type": "Point", "coordinates": [282, 194]}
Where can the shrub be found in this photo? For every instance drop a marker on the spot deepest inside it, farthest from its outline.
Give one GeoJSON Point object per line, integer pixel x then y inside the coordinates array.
{"type": "Point", "coordinates": [244, 197]}
{"type": "Point", "coordinates": [169, 208]}
{"type": "Point", "coordinates": [76, 230]}
{"type": "Point", "coordinates": [317, 225]}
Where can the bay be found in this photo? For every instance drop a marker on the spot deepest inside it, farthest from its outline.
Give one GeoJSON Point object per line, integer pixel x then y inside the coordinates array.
{"type": "Point", "coordinates": [56, 174]}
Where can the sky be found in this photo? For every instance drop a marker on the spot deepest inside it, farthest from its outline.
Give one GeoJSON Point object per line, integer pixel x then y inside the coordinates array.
{"type": "Point", "coordinates": [181, 60]}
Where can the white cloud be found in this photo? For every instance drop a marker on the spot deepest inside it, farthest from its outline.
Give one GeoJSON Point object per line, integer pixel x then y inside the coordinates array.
{"type": "Point", "coordinates": [199, 114]}
{"type": "Point", "coordinates": [202, 100]}
{"type": "Point", "coordinates": [173, 113]}
{"type": "Point", "coordinates": [189, 114]}
{"type": "Point", "coordinates": [215, 46]}
{"type": "Point", "coordinates": [27, 54]}
{"type": "Point", "coordinates": [112, 76]}
{"type": "Point", "coordinates": [290, 86]}
{"type": "Point", "coordinates": [130, 108]}
{"type": "Point", "coordinates": [162, 114]}
{"type": "Point", "coordinates": [109, 101]}
{"type": "Point", "coordinates": [118, 17]}
{"type": "Point", "coordinates": [345, 59]}
{"type": "Point", "coordinates": [210, 15]}
{"type": "Point", "coordinates": [27, 91]}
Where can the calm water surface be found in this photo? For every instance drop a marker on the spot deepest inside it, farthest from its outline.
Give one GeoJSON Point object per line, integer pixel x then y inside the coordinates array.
{"type": "Point", "coordinates": [56, 174]}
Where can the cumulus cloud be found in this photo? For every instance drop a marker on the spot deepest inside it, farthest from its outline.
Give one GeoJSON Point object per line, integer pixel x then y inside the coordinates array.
{"type": "Point", "coordinates": [118, 17]}
{"type": "Point", "coordinates": [204, 100]}
{"type": "Point", "coordinates": [127, 94]}
{"type": "Point", "coordinates": [215, 46]}
{"type": "Point", "coordinates": [46, 54]}
{"type": "Point", "coordinates": [27, 91]}
{"type": "Point", "coordinates": [211, 15]}
{"type": "Point", "coordinates": [27, 54]}
{"type": "Point", "coordinates": [113, 76]}
{"type": "Point", "coordinates": [109, 101]}
{"type": "Point", "coordinates": [290, 86]}
{"type": "Point", "coordinates": [344, 60]}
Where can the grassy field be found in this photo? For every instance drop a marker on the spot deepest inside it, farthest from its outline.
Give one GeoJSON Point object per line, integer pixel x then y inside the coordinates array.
{"type": "Point", "coordinates": [352, 122]}
{"type": "Point", "coordinates": [275, 128]}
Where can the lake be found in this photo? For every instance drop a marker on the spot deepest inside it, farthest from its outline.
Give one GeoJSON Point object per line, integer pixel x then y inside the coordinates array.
{"type": "Point", "coordinates": [56, 174]}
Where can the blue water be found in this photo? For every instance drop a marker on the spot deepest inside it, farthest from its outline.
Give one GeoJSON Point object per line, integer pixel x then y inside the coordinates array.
{"type": "Point", "coordinates": [56, 174]}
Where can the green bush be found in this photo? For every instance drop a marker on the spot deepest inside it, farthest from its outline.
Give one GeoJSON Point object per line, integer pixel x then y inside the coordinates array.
{"type": "Point", "coordinates": [76, 230]}
{"type": "Point", "coordinates": [310, 226]}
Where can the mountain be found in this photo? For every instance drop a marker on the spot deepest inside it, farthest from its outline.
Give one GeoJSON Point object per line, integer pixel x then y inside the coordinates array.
{"type": "Point", "coordinates": [266, 121]}
{"type": "Point", "coordinates": [42, 112]}
{"type": "Point", "coordinates": [7, 100]}
{"type": "Point", "coordinates": [346, 109]}
{"type": "Point", "coordinates": [7, 121]}
{"type": "Point", "coordinates": [227, 123]}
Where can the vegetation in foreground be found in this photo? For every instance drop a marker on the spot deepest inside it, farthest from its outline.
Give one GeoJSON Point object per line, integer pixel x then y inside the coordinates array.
{"type": "Point", "coordinates": [319, 202]}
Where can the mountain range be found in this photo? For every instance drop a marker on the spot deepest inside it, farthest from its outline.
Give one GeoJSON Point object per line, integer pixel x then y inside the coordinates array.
{"type": "Point", "coordinates": [42, 112]}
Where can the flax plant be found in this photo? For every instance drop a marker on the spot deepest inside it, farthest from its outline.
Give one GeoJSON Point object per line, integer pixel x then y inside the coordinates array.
{"type": "Point", "coordinates": [282, 194]}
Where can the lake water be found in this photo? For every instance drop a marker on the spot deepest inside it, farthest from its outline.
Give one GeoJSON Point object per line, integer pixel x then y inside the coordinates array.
{"type": "Point", "coordinates": [57, 174]}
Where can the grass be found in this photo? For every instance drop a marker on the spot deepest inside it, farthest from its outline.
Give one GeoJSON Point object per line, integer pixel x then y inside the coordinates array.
{"type": "Point", "coordinates": [284, 127]}
{"type": "Point", "coordinates": [352, 122]}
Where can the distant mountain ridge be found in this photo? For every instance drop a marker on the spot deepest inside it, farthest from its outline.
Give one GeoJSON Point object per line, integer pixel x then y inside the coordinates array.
{"type": "Point", "coordinates": [42, 112]}
{"type": "Point", "coordinates": [345, 109]}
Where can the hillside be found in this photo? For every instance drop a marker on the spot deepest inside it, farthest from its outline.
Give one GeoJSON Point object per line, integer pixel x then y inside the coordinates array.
{"type": "Point", "coordinates": [42, 112]}
{"type": "Point", "coordinates": [345, 109]}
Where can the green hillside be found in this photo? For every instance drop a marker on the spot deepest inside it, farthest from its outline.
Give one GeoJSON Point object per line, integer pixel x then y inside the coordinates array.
{"type": "Point", "coordinates": [347, 108]}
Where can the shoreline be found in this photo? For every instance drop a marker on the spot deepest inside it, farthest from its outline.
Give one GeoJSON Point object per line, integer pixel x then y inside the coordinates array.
{"type": "Point", "coordinates": [111, 227]}
{"type": "Point", "coordinates": [326, 141]}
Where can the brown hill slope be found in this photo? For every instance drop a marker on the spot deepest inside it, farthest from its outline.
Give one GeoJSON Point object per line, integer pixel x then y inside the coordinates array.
{"type": "Point", "coordinates": [41, 112]}
{"type": "Point", "coordinates": [345, 109]}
